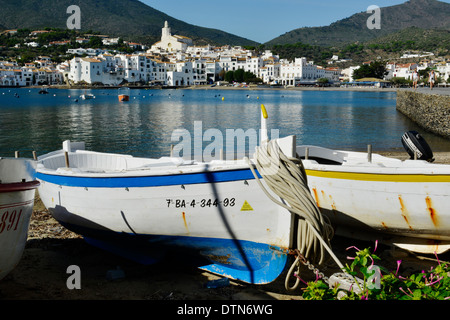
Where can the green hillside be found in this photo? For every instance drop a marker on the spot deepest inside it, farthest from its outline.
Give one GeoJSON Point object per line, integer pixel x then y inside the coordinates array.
{"type": "Point", "coordinates": [387, 47]}
{"type": "Point", "coordinates": [424, 14]}
{"type": "Point", "coordinates": [130, 18]}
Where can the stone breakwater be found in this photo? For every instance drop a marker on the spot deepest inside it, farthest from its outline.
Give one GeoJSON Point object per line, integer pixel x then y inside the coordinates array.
{"type": "Point", "coordinates": [428, 110]}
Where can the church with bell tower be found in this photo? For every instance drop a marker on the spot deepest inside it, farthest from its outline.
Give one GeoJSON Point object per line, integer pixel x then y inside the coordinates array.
{"type": "Point", "coordinates": [171, 43]}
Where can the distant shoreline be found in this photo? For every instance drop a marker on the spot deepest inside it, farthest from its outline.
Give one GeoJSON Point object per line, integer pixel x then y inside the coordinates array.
{"type": "Point", "coordinates": [437, 90]}
{"type": "Point", "coordinates": [210, 87]}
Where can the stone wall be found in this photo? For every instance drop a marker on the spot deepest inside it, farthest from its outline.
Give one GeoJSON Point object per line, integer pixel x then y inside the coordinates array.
{"type": "Point", "coordinates": [430, 111]}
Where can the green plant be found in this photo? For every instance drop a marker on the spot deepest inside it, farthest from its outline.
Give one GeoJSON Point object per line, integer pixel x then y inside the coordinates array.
{"type": "Point", "coordinates": [425, 285]}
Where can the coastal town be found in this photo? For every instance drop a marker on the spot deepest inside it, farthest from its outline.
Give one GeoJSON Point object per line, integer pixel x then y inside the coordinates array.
{"type": "Point", "coordinates": [175, 61]}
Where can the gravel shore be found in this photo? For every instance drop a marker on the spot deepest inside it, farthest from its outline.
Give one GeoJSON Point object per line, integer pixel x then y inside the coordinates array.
{"type": "Point", "coordinates": [51, 249]}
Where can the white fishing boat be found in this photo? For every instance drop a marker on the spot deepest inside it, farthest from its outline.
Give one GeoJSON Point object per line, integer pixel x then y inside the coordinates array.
{"type": "Point", "coordinates": [143, 208]}
{"type": "Point", "coordinates": [17, 188]}
{"type": "Point", "coordinates": [235, 217]}
{"type": "Point", "coordinates": [407, 202]}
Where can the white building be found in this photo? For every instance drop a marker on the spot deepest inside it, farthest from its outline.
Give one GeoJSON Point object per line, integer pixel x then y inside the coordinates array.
{"type": "Point", "coordinates": [94, 70]}
{"type": "Point", "coordinates": [253, 65]}
{"type": "Point", "coordinates": [170, 43]}
{"type": "Point", "coordinates": [401, 70]}
{"type": "Point", "coordinates": [270, 72]}
{"type": "Point", "coordinates": [212, 70]}
{"type": "Point", "coordinates": [110, 41]}
{"type": "Point", "coordinates": [347, 73]}
{"type": "Point", "coordinates": [11, 74]}
{"type": "Point", "coordinates": [299, 72]}
{"type": "Point", "coordinates": [207, 51]}
{"type": "Point", "coordinates": [82, 51]}
{"type": "Point", "coordinates": [444, 70]}
{"type": "Point", "coordinates": [186, 73]}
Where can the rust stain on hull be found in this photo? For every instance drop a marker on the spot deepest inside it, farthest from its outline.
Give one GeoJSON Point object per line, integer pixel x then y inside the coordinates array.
{"type": "Point", "coordinates": [220, 259]}
{"type": "Point", "coordinates": [316, 196]}
{"type": "Point", "coordinates": [404, 212]}
{"type": "Point", "coordinates": [329, 200]}
{"type": "Point", "coordinates": [432, 211]}
{"type": "Point", "coordinates": [184, 220]}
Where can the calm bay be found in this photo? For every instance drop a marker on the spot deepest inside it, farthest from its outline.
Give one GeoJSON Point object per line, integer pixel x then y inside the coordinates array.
{"type": "Point", "coordinates": [345, 120]}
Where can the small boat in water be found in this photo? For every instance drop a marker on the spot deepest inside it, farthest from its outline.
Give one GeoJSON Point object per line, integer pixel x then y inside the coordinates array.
{"type": "Point", "coordinates": [17, 189]}
{"type": "Point", "coordinates": [124, 94]}
{"type": "Point", "coordinates": [43, 91]}
{"type": "Point", "coordinates": [87, 96]}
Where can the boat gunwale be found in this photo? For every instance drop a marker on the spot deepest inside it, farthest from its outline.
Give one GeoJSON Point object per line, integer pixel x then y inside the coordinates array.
{"type": "Point", "coordinates": [18, 186]}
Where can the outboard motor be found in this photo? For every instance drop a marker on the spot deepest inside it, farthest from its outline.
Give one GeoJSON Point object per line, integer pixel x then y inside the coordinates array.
{"type": "Point", "coordinates": [413, 142]}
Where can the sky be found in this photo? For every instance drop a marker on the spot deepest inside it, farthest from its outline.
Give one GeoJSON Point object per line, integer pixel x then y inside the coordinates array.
{"type": "Point", "coordinates": [263, 20]}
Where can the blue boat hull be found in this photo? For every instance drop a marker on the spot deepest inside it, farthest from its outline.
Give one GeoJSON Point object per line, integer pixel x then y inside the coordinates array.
{"type": "Point", "coordinates": [245, 261]}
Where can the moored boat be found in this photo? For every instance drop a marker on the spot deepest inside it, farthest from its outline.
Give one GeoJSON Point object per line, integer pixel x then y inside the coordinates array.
{"type": "Point", "coordinates": [124, 94]}
{"type": "Point", "coordinates": [87, 96]}
{"type": "Point", "coordinates": [43, 91]}
{"type": "Point", "coordinates": [17, 189]}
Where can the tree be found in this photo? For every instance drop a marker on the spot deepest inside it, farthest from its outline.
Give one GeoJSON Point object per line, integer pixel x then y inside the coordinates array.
{"type": "Point", "coordinates": [229, 76]}
{"type": "Point", "coordinates": [323, 82]}
{"type": "Point", "coordinates": [401, 82]}
{"type": "Point", "coordinates": [375, 69]}
{"type": "Point", "coordinates": [239, 75]}
{"type": "Point", "coordinates": [95, 42]}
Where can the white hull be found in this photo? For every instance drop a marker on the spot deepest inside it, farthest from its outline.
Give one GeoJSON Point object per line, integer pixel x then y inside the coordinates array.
{"type": "Point", "coordinates": [87, 96]}
{"type": "Point", "coordinates": [16, 207]}
{"type": "Point", "coordinates": [407, 201]}
{"type": "Point", "coordinates": [218, 211]}
{"type": "Point", "coordinates": [192, 210]}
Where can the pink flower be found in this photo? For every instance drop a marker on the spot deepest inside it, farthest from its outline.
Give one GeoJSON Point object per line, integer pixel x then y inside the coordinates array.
{"type": "Point", "coordinates": [437, 257]}
{"type": "Point", "coordinates": [353, 248]}
{"type": "Point", "coordinates": [297, 276]}
{"type": "Point", "coordinates": [435, 281]}
{"type": "Point", "coordinates": [401, 289]}
{"type": "Point", "coordinates": [398, 266]}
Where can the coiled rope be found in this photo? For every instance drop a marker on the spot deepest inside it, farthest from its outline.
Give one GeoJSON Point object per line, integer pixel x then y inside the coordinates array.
{"type": "Point", "coordinates": [286, 177]}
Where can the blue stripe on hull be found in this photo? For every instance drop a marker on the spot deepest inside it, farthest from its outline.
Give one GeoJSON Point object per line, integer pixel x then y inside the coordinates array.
{"type": "Point", "coordinates": [246, 261]}
{"type": "Point", "coordinates": [147, 181]}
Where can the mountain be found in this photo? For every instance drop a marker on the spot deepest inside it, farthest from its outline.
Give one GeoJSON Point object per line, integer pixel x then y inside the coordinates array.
{"type": "Point", "coordinates": [130, 18]}
{"type": "Point", "coordinates": [424, 14]}
{"type": "Point", "coordinates": [413, 38]}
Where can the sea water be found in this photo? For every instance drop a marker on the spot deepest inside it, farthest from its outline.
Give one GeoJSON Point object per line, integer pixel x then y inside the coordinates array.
{"type": "Point", "coordinates": [144, 126]}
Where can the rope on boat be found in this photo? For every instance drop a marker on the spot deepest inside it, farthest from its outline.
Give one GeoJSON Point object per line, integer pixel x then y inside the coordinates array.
{"type": "Point", "coordinates": [286, 177]}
